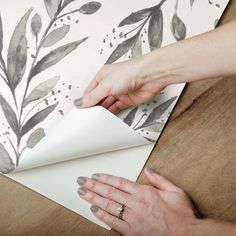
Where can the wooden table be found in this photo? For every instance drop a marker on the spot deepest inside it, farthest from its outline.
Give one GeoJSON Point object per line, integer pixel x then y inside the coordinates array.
{"type": "Point", "coordinates": [197, 151]}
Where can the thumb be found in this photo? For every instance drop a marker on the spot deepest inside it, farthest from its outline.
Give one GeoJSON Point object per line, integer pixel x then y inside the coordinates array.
{"type": "Point", "coordinates": [160, 182]}
{"type": "Point", "coordinates": [93, 97]}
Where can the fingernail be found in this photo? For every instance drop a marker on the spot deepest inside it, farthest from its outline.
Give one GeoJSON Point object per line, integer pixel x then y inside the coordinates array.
{"type": "Point", "coordinates": [95, 177]}
{"type": "Point", "coordinates": [94, 209]}
{"type": "Point", "coordinates": [150, 170]}
{"type": "Point", "coordinates": [81, 180]}
{"type": "Point", "coordinates": [78, 102]}
{"type": "Point", "coordinates": [82, 191]}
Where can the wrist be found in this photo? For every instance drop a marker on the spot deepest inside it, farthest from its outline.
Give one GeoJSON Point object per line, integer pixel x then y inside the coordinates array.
{"type": "Point", "coordinates": [166, 65]}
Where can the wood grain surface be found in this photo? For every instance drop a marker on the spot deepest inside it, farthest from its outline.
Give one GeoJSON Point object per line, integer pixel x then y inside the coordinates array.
{"type": "Point", "coordinates": [197, 151]}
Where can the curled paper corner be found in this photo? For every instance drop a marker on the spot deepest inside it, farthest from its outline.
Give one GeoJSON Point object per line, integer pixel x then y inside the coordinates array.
{"type": "Point", "coordinates": [82, 133]}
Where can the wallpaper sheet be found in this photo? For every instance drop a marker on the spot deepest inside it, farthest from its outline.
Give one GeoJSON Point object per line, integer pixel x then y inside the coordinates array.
{"type": "Point", "coordinates": [49, 52]}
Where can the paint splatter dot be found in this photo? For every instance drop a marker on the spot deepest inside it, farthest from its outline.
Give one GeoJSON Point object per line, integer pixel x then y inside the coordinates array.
{"type": "Point", "coordinates": [111, 45]}
{"type": "Point", "coordinates": [70, 87]}
{"type": "Point", "coordinates": [77, 21]}
{"type": "Point", "coordinates": [61, 112]}
{"type": "Point", "coordinates": [113, 30]}
{"type": "Point", "coordinates": [104, 40]}
{"type": "Point", "coordinates": [68, 17]}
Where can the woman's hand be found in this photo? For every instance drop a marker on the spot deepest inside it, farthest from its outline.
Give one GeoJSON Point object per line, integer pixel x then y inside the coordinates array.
{"type": "Point", "coordinates": [120, 86]}
{"type": "Point", "coordinates": [160, 209]}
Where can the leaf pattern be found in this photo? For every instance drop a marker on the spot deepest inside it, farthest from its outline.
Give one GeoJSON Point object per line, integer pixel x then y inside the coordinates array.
{"type": "Point", "coordinates": [51, 7]}
{"type": "Point", "coordinates": [157, 113]}
{"type": "Point", "coordinates": [42, 90]}
{"type": "Point", "coordinates": [122, 49]}
{"type": "Point", "coordinates": [35, 138]}
{"type": "Point", "coordinates": [6, 164]}
{"type": "Point", "coordinates": [90, 8]}
{"type": "Point", "coordinates": [191, 3]}
{"type": "Point", "coordinates": [36, 25]}
{"type": "Point", "coordinates": [17, 53]}
{"type": "Point", "coordinates": [178, 28]}
{"type": "Point", "coordinates": [137, 49]}
{"type": "Point", "coordinates": [1, 34]}
{"type": "Point", "coordinates": [155, 30]}
{"type": "Point", "coordinates": [157, 127]}
{"type": "Point", "coordinates": [136, 17]}
{"type": "Point", "coordinates": [10, 115]}
{"type": "Point", "coordinates": [55, 56]}
{"type": "Point", "coordinates": [13, 70]}
{"type": "Point", "coordinates": [67, 2]}
{"type": "Point", "coordinates": [37, 118]}
{"type": "Point", "coordinates": [56, 35]}
{"type": "Point", "coordinates": [129, 119]}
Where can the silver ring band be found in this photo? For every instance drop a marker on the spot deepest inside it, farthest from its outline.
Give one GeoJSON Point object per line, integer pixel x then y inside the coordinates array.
{"type": "Point", "coordinates": [121, 211]}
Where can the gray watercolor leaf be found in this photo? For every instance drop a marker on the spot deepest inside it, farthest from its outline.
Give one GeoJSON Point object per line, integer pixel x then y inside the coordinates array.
{"type": "Point", "coordinates": [35, 138]}
{"type": "Point", "coordinates": [17, 52]}
{"type": "Point", "coordinates": [129, 119]}
{"type": "Point", "coordinates": [136, 17]}
{"type": "Point", "coordinates": [137, 49]}
{"type": "Point", "coordinates": [90, 8]}
{"type": "Point", "coordinates": [155, 30]}
{"type": "Point", "coordinates": [191, 3]}
{"type": "Point", "coordinates": [122, 49]}
{"type": "Point", "coordinates": [37, 118]}
{"type": "Point", "coordinates": [67, 2]}
{"type": "Point", "coordinates": [1, 34]}
{"type": "Point", "coordinates": [157, 113]}
{"type": "Point", "coordinates": [157, 127]}
{"type": "Point", "coordinates": [52, 7]}
{"type": "Point", "coordinates": [36, 25]}
{"type": "Point", "coordinates": [6, 163]}
{"type": "Point", "coordinates": [178, 28]}
{"type": "Point", "coordinates": [42, 90]}
{"type": "Point", "coordinates": [55, 56]}
{"type": "Point", "coordinates": [10, 115]}
{"type": "Point", "coordinates": [56, 35]}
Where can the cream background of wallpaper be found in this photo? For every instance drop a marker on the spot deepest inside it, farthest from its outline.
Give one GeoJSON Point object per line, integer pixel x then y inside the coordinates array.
{"type": "Point", "coordinates": [57, 181]}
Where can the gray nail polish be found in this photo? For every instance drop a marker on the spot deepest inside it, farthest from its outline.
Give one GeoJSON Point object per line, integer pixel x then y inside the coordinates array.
{"type": "Point", "coordinates": [95, 177]}
{"type": "Point", "coordinates": [78, 102]}
{"type": "Point", "coordinates": [82, 191]}
{"type": "Point", "coordinates": [94, 209]}
{"type": "Point", "coordinates": [81, 180]}
{"type": "Point", "coordinates": [150, 170]}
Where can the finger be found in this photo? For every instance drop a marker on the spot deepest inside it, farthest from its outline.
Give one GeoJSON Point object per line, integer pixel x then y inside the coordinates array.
{"type": "Point", "coordinates": [105, 191]}
{"type": "Point", "coordinates": [117, 107]}
{"type": "Point", "coordinates": [160, 182]}
{"type": "Point", "coordinates": [108, 101]}
{"type": "Point", "coordinates": [94, 97]}
{"type": "Point", "coordinates": [117, 182]}
{"type": "Point", "coordinates": [93, 84]}
{"type": "Point", "coordinates": [107, 205]}
{"type": "Point", "coordinates": [112, 221]}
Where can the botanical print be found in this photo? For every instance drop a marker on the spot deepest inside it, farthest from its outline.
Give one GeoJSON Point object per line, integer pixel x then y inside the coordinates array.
{"type": "Point", "coordinates": [31, 103]}
{"type": "Point", "coordinates": [13, 71]}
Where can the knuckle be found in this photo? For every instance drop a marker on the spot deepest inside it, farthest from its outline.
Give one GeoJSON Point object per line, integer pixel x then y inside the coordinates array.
{"type": "Point", "coordinates": [121, 183]}
{"type": "Point", "coordinates": [108, 205]}
{"type": "Point", "coordinates": [110, 192]}
{"type": "Point", "coordinates": [91, 185]}
{"type": "Point", "coordinates": [113, 222]}
{"type": "Point", "coordinates": [91, 197]}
